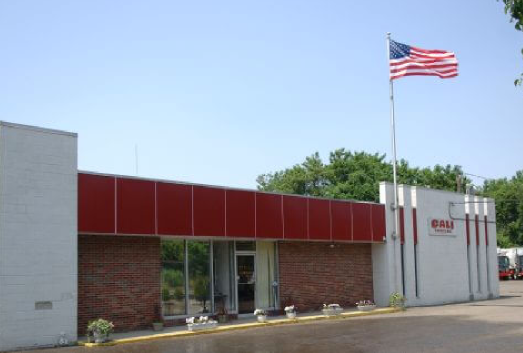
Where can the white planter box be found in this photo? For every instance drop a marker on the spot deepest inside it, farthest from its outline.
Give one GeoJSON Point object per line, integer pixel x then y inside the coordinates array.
{"type": "Point", "coordinates": [100, 338]}
{"type": "Point", "coordinates": [202, 326]}
{"type": "Point", "coordinates": [291, 315]}
{"type": "Point", "coordinates": [332, 311]}
{"type": "Point", "coordinates": [366, 307]}
{"type": "Point", "coordinates": [261, 318]}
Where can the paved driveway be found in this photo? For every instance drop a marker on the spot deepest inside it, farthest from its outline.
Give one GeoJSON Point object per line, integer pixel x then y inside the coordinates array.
{"type": "Point", "coordinates": [493, 326]}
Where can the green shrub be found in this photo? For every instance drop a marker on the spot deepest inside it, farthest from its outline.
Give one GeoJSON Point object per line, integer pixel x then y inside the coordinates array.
{"type": "Point", "coordinates": [397, 300]}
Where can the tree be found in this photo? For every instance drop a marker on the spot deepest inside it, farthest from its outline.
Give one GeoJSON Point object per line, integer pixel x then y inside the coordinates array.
{"type": "Point", "coordinates": [514, 8]}
{"type": "Point", "coordinates": [354, 175]}
{"type": "Point", "coordinates": [508, 194]}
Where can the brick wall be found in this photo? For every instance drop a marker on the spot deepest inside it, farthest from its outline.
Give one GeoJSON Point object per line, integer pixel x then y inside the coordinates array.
{"type": "Point", "coordinates": [312, 274]}
{"type": "Point", "coordinates": [118, 280]}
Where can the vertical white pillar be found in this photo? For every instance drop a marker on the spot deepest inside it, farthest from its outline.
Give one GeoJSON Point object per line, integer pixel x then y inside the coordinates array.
{"type": "Point", "coordinates": [490, 212]}
{"type": "Point", "coordinates": [471, 248]}
{"type": "Point", "coordinates": [386, 261]}
{"type": "Point", "coordinates": [482, 258]}
{"type": "Point", "coordinates": [405, 201]}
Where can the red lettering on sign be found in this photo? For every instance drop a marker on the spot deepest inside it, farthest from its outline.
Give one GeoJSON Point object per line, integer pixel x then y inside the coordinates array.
{"type": "Point", "coordinates": [442, 226]}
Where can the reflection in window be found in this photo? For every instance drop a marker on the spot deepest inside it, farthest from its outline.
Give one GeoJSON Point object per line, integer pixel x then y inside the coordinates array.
{"type": "Point", "coordinates": [173, 277]}
{"type": "Point", "coordinates": [265, 270]}
{"type": "Point", "coordinates": [199, 277]}
{"type": "Point", "coordinates": [245, 246]}
{"type": "Point", "coordinates": [224, 284]}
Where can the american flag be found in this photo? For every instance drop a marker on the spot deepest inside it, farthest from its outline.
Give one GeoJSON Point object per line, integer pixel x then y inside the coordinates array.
{"type": "Point", "coordinates": [411, 61]}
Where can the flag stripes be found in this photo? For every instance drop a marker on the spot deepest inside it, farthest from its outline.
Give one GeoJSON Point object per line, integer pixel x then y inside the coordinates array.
{"type": "Point", "coordinates": [412, 61]}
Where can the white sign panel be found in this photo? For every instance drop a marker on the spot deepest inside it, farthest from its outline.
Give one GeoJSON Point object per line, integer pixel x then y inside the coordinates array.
{"type": "Point", "coordinates": [441, 226]}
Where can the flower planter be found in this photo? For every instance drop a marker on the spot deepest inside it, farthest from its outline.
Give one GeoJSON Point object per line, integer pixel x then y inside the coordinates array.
{"type": "Point", "coordinates": [366, 307]}
{"type": "Point", "coordinates": [261, 318]}
{"type": "Point", "coordinates": [332, 311]}
{"type": "Point", "coordinates": [202, 326]}
{"type": "Point", "coordinates": [99, 337]}
{"type": "Point", "coordinates": [222, 319]}
{"type": "Point", "coordinates": [291, 315]}
{"type": "Point", "coordinates": [157, 326]}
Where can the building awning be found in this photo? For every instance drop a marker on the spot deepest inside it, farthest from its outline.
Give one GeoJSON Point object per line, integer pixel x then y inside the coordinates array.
{"type": "Point", "coordinates": [110, 204]}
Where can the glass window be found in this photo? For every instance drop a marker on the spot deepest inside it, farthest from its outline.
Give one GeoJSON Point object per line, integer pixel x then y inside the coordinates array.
{"type": "Point", "coordinates": [224, 290]}
{"type": "Point", "coordinates": [199, 277]}
{"type": "Point", "coordinates": [245, 246]}
{"type": "Point", "coordinates": [173, 277]}
{"type": "Point", "coordinates": [265, 270]}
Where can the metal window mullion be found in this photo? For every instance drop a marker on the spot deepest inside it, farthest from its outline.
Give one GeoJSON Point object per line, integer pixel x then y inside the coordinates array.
{"type": "Point", "coordinates": [235, 265]}
{"type": "Point", "coordinates": [186, 267]}
{"type": "Point", "coordinates": [276, 276]}
{"type": "Point", "coordinates": [211, 268]}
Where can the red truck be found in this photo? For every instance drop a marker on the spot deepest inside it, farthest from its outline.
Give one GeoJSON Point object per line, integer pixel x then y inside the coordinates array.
{"type": "Point", "coordinates": [518, 268]}
{"type": "Point", "coordinates": [505, 271]}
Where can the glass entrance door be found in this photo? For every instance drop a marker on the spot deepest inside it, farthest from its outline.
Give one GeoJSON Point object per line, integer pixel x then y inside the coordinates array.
{"type": "Point", "coordinates": [246, 277]}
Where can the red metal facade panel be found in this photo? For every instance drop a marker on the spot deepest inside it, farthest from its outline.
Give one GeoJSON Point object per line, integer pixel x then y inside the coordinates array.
{"type": "Point", "coordinates": [135, 206]}
{"type": "Point", "coordinates": [378, 223]}
{"type": "Point", "coordinates": [319, 219]}
{"type": "Point", "coordinates": [114, 205]}
{"type": "Point", "coordinates": [415, 225]}
{"type": "Point", "coordinates": [295, 217]}
{"type": "Point", "coordinates": [402, 225]}
{"type": "Point", "coordinates": [174, 209]}
{"type": "Point", "coordinates": [476, 225]}
{"type": "Point", "coordinates": [269, 216]}
{"type": "Point", "coordinates": [467, 228]}
{"type": "Point", "coordinates": [240, 213]}
{"type": "Point", "coordinates": [96, 204]}
{"type": "Point", "coordinates": [486, 231]}
{"type": "Point", "coordinates": [361, 218]}
{"type": "Point", "coordinates": [341, 213]}
{"type": "Point", "coordinates": [209, 211]}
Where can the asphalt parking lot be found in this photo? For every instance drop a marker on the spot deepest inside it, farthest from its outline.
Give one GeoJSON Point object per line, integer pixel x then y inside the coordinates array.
{"type": "Point", "coordinates": [485, 326]}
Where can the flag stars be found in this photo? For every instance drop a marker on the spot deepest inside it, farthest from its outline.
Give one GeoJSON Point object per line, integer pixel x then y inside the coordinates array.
{"type": "Point", "coordinates": [398, 50]}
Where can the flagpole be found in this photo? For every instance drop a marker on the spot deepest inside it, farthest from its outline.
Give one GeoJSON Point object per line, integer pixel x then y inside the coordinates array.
{"type": "Point", "coordinates": [395, 205]}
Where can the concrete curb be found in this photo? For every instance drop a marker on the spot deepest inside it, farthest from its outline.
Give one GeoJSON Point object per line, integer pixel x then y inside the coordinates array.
{"type": "Point", "coordinates": [238, 327]}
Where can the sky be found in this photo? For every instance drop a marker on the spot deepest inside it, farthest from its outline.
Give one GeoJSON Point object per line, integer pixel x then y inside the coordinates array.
{"type": "Point", "coordinates": [219, 92]}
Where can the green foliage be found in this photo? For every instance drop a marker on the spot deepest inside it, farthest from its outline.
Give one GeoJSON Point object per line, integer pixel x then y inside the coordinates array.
{"type": "Point", "coordinates": [354, 175]}
{"type": "Point", "coordinates": [397, 300]}
{"type": "Point", "coordinates": [514, 8]}
{"type": "Point", "coordinates": [508, 194]}
{"type": "Point", "coordinates": [172, 250]}
{"type": "Point", "coordinates": [173, 276]}
{"type": "Point", "coordinates": [198, 258]}
{"type": "Point", "coordinates": [201, 288]}
{"type": "Point", "coordinates": [100, 326]}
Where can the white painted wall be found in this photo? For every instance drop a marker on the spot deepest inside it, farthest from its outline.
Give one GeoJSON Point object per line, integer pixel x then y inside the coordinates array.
{"type": "Point", "coordinates": [386, 256]}
{"type": "Point", "coordinates": [445, 265]}
{"type": "Point", "coordinates": [38, 235]}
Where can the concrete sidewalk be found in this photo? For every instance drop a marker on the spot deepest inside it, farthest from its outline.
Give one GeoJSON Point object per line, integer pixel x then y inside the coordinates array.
{"type": "Point", "coordinates": [239, 324]}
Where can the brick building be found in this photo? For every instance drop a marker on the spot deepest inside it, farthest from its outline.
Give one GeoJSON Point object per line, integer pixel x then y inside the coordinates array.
{"type": "Point", "coordinates": [76, 246]}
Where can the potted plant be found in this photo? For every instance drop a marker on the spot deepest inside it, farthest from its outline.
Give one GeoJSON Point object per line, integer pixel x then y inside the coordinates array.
{"type": "Point", "coordinates": [366, 305]}
{"type": "Point", "coordinates": [332, 309]}
{"type": "Point", "coordinates": [100, 329]}
{"type": "Point", "coordinates": [290, 311]}
{"type": "Point", "coordinates": [261, 315]}
{"type": "Point", "coordinates": [222, 315]}
{"type": "Point", "coordinates": [397, 300]}
{"type": "Point", "coordinates": [158, 319]}
{"type": "Point", "coordinates": [200, 323]}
